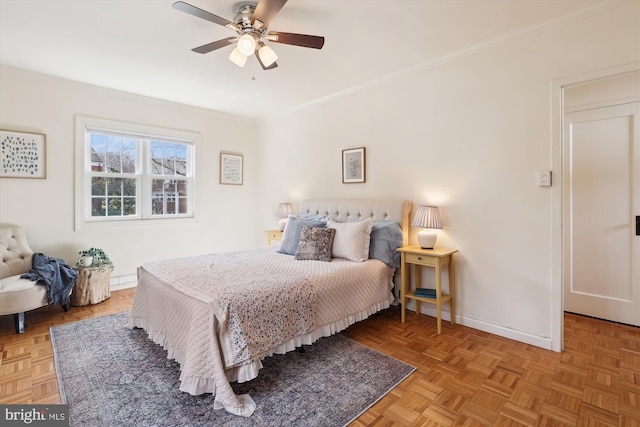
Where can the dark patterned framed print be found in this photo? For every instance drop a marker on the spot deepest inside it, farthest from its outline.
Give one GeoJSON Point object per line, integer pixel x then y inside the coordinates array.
{"type": "Point", "coordinates": [22, 154]}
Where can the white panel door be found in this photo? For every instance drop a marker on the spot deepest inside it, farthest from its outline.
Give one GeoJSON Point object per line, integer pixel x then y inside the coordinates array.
{"type": "Point", "coordinates": [601, 199]}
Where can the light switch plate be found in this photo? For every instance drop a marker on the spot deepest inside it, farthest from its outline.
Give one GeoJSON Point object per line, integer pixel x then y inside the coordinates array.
{"type": "Point", "coordinates": [544, 178]}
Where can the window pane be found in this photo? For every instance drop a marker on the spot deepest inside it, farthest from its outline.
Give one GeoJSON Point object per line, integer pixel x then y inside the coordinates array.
{"type": "Point", "coordinates": [156, 206]}
{"type": "Point", "coordinates": [168, 158]}
{"type": "Point", "coordinates": [182, 188]}
{"type": "Point", "coordinates": [115, 206]}
{"type": "Point", "coordinates": [98, 206]}
{"type": "Point", "coordinates": [98, 152]}
{"type": "Point", "coordinates": [129, 187]}
{"type": "Point", "coordinates": [129, 206]}
{"type": "Point", "coordinates": [114, 186]}
{"type": "Point", "coordinates": [183, 208]}
{"type": "Point", "coordinates": [98, 186]}
{"type": "Point", "coordinates": [129, 155]}
{"type": "Point", "coordinates": [114, 154]}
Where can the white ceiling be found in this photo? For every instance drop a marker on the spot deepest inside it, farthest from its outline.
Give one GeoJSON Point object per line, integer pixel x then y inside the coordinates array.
{"type": "Point", "coordinates": [144, 46]}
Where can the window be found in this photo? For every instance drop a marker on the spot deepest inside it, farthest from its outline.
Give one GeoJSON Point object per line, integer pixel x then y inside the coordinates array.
{"type": "Point", "coordinates": [130, 173]}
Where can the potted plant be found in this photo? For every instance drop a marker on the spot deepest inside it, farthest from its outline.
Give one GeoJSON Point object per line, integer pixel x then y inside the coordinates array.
{"type": "Point", "coordinates": [95, 258]}
{"type": "Point", "coordinates": [94, 271]}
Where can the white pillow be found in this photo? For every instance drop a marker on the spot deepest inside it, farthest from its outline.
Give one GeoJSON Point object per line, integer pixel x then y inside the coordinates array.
{"type": "Point", "coordinates": [352, 239]}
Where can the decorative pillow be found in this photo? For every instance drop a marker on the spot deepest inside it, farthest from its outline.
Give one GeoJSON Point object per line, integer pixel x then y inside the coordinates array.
{"type": "Point", "coordinates": [315, 243]}
{"type": "Point", "coordinates": [386, 238]}
{"type": "Point", "coordinates": [291, 235]}
{"type": "Point", "coordinates": [352, 239]}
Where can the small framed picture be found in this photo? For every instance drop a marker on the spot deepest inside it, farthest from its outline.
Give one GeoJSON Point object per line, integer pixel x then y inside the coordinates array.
{"type": "Point", "coordinates": [354, 165]}
{"type": "Point", "coordinates": [22, 154]}
{"type": "Point", "coordinates": [231, 171]}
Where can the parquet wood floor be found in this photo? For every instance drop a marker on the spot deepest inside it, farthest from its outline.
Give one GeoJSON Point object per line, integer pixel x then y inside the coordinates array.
{"type": "Point", "coordinates": [465, 377]}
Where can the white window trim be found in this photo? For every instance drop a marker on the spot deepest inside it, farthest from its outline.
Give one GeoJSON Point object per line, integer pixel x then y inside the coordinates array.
{"type": "Point", "coordinates": [83, 188]}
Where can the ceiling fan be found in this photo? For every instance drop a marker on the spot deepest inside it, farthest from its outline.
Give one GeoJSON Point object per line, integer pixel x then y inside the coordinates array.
{"type": "Point", "coordinates": [251, 24]}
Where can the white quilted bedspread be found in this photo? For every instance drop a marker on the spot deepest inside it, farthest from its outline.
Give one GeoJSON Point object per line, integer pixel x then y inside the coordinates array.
{"type": "Point", "coordinates": [219, 315]}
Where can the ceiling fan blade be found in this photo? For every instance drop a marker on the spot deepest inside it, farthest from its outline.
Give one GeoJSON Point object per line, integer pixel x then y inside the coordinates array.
{"type": "Point", "coordinates": [209, 47]}
{"type": "Point", "coordinates": [270, 67]}
{"type": "Point", "coordinates": [304, 40]}
{"type": "Point", "coordinates": [203, 14]}
{"type": "Point", "coordinates": [265, 11]}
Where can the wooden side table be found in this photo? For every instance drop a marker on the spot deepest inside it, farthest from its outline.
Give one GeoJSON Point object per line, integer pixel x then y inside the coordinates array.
{"type": "Point", "coordinates": [274, 235]}
{"type": "Point", "coordinates": [92, 286]}
{"type": "Point", "coordinates": [437, 258]}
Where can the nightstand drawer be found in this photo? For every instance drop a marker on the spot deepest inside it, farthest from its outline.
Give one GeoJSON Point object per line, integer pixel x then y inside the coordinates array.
{"type": "Point", "coordinates": [275, 235]}
{"type": "Point", "coordinates": [421, 259]}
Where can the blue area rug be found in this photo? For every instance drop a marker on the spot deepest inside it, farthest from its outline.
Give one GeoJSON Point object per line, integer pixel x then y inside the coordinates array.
{"type": "Point", "coordinates": [113, 376]}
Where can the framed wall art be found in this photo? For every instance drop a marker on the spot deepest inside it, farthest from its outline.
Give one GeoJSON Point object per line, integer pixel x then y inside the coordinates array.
{"type": "Point", "coordinates": [354, 165]}
{"type": "Point", "coordinates": [22, 154]}
{"type": "Point", "coordinates": [231, 169]}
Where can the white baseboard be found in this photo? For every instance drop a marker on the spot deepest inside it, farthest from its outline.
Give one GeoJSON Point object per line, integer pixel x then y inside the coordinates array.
{"type": "Point", "coordinates": [520, 336]}
{"type": "Point", "coordinates": [123, 282]}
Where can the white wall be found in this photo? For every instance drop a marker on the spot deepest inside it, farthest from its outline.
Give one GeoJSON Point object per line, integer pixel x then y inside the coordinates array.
{"type": "Point", "coordinates": [468, 135]}
{"type": "Point", "coordinates": [223, 219]}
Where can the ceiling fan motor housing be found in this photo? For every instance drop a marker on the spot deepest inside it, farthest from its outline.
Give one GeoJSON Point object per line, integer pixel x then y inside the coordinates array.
{"type": "Point", "coordinates": [244, 14]}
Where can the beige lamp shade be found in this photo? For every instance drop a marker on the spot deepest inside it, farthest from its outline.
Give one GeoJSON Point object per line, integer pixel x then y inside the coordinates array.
{"type": "Point", "coordinates": [283, 211]}
{"type": "Point", "coordinates": [428, 218]}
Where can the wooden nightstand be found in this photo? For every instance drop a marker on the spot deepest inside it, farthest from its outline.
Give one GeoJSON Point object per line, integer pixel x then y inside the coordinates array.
{"type": "Point", "coordinates": [436, 258]}
{"type": "Point", "coordinates": [273, 235]}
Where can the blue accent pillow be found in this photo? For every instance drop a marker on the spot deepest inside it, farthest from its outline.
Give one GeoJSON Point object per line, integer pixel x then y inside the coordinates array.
{"type": "Point", "coordinates": [386, 237]}
{"type": "Point", "coordinates": [291, 236]}
{"type": "Point", "coordinates": [309, 216]}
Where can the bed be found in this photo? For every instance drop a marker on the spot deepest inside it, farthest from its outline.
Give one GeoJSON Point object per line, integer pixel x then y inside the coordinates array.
{"type": "Point", "coordinates": [219, 315]}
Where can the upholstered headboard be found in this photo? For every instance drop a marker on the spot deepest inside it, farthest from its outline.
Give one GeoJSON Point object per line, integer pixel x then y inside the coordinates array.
{"type": "Point", "coordinates": [346, 209]}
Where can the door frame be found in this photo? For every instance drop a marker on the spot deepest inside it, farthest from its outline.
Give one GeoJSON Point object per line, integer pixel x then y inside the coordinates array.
{"type": "Point", "coordinates": [557, 250]}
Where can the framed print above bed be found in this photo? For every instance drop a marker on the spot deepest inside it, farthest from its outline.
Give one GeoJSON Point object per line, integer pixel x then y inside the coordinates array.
{"type": "Point", "coordinates": [22, 154]}
{"type": "Point", "coordinates": [231, 171]}
{"type": "Point", "coordinates": [354, 165]}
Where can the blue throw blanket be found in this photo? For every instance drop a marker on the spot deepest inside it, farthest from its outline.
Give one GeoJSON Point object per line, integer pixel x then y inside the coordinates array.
{"type": "Point", "coordinates": [55, 274]}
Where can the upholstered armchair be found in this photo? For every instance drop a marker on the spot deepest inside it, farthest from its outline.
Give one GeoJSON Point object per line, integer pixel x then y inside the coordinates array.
{"type": "Point", "coordinates": [17, 295]}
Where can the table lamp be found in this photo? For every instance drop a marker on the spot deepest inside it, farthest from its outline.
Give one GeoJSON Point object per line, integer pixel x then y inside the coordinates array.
{"type": "Point", "coordinates": [427, 217]}
{"type": "Point", "coordinates": [284, 209]}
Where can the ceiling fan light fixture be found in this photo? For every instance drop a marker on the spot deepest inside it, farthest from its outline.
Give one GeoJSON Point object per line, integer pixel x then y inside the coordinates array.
{"type": "Point", "coordinates": [246, 44]}
{"type": "Point", "coordinates": [238, 58]}
{"type": "Point", "coordinates": [251, 23]}
{"type": "Point", "coordinates": [267, 55]}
